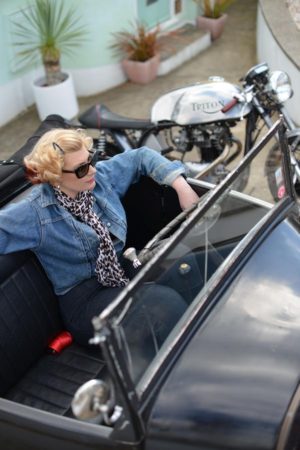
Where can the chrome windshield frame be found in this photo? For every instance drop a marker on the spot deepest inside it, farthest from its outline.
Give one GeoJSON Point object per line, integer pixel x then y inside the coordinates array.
{"type": "Point", "coordinates": [106, 324]}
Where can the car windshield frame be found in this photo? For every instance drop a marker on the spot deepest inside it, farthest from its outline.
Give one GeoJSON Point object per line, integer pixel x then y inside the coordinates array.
{"type": "Point", "coordinates": [106, 324]}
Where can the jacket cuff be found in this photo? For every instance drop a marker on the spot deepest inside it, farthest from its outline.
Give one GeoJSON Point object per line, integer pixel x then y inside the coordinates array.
{"type": "Point", "coordinates": [168, 180]}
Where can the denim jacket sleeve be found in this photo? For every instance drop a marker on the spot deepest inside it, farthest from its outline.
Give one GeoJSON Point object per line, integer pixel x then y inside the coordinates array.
{"type": "Point", "coordinates": [126, 168]}
{"type": "Point", "coordinates": [19, 227]}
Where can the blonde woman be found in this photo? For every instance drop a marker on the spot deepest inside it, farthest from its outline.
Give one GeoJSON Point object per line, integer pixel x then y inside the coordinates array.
{"type": "Point", "coordinates": [74, 221]}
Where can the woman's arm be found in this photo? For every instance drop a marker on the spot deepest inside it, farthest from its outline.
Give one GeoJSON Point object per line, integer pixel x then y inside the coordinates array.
{"type": "Point", "coordinates": [19, 228]}
{"type": "Point", "coordinates": [186, 195]}
{"type": "Point", "coordinates": [126, 168]}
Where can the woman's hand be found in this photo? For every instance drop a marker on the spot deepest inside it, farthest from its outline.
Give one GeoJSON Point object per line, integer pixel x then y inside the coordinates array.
{"type": "Point", "coordinates": [186, 195]}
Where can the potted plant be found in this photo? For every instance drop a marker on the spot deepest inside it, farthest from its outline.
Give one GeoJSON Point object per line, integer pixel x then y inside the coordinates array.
{"type": "Point", "coordinates": [139, 50]}
{"type": "Point", "coordinates": [47, 30]}
{"type": "Point", "coordinates": [213, 17]}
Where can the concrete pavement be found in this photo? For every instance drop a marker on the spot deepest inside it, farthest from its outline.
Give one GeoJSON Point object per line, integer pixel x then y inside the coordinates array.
{"type": "Point", "coordinates": [230, 56]}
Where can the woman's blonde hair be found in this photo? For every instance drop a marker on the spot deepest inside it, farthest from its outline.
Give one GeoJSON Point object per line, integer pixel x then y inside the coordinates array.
{"type": "Point", "coordinates": [45, 162]}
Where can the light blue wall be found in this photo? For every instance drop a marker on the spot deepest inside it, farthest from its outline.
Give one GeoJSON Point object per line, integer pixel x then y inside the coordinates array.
{"type": "Point", "coordinates": [191, 9]}
{"type": "Point", "coordinates": [154, 13]}
{"type": "Point", "coordinates": [160, 10]}
{"type": "Point", "coordinates": [102, 17]}
{"type": "Point", "coordinates": [7, 7]}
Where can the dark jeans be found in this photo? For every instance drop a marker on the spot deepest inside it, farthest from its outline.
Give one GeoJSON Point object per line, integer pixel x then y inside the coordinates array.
{"type": "Point", "coordinates": [81, 304]}
{"type": "Point", "coordinates": [152, 315]}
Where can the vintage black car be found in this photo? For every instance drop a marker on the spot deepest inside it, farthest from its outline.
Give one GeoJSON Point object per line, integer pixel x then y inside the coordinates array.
{"type": "Point", "coordinates": [227, 375]}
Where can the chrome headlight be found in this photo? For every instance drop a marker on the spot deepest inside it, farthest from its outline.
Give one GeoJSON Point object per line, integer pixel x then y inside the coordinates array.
{"type": "Point", "coordinates": [280, 85]}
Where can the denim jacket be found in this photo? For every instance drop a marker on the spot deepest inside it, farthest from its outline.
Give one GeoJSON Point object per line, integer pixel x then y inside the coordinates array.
{"type": "Point", "coordinates": [66, 247]}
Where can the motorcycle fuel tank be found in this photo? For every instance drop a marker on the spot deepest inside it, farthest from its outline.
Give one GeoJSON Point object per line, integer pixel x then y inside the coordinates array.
{"type": "Point", "coordinates": [199, 104]}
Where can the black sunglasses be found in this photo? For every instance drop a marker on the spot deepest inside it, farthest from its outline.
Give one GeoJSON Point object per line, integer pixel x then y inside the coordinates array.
{"type": "Point", "coordinates": [82, 170]}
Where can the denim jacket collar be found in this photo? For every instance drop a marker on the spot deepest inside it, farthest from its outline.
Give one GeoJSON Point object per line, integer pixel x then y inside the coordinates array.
{"type": "Point", "coordinates": [47, 196]}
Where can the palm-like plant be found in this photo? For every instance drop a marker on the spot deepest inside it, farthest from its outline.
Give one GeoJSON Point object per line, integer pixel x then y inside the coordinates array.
{"type": "Point", "coordinates": [47, 30]}
{"type": "Point", "coordinates": [213, 8]}
{"type": "Point", "coordinates": [138, 45]}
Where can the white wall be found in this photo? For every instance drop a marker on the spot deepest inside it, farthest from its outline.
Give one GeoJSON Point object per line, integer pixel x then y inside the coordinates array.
{"type": "Point", "coordinates": [269, 50]}
{"type": "Point", "coordinates": [93, 81]}
{"type": "Point", "coordinates": [17, 95]}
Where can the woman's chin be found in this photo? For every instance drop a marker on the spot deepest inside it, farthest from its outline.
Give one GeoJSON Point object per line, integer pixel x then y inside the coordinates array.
{"type": "Point", "coordinates": [91, 184]}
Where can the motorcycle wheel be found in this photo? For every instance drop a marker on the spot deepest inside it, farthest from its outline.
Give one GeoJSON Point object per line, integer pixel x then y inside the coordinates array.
{"type": "Point", "coordinates": [272, 164]}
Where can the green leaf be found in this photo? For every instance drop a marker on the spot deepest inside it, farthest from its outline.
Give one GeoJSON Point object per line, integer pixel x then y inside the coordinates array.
{"type": "Point", "coordinates": [48, 27]}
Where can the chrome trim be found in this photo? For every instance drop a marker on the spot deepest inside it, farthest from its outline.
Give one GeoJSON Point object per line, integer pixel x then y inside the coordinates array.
{"type": "Point", "coordinates": [106, 329]}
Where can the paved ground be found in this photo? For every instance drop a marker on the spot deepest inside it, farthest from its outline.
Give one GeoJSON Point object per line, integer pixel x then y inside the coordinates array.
{"type": "Point", "coordinates": [294, 8]}
{"type": "Point", "coordinates": [230, 56]}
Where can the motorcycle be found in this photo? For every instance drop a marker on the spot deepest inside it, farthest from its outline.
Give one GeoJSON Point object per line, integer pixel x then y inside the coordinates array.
{"type": "Point", "coordinates": [199, 119]}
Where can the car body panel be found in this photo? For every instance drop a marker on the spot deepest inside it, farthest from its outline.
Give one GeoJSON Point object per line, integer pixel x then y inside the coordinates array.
{"type": "Point", "coordinates": [238, 374]}
{"type": "Point", "coordinates": [227, 376]}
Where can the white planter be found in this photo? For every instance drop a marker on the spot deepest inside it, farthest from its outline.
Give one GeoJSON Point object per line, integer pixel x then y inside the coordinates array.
{"type": "Point", "coordinates": [58, 99]}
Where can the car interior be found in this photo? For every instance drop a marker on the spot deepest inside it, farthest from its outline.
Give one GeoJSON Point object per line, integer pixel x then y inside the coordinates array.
{"type": "Point", "coordinates": [31, 372]}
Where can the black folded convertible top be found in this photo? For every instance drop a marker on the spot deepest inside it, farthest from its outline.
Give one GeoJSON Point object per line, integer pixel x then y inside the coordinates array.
{"type": "Point", "coordinates": [12, 176]}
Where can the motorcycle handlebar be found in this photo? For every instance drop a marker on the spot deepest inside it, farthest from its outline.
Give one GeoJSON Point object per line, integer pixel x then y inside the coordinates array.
{"type": "Point", "coordinates": [229, 105]}
{"type": "Point", "coordinates": [165, 151]}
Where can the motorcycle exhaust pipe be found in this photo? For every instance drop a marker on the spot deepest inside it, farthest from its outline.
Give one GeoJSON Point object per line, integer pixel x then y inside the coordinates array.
{"type": "Point", "coordinates": [238, 150]}
{"type": "Point", "coordinates": [224, 157]}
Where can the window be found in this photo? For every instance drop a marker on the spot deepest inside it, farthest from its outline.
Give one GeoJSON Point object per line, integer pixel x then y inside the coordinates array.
{"type": "Point", "coordinates": [177, 6]}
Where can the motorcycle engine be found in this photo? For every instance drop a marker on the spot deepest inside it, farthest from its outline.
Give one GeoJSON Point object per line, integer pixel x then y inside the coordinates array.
{"type": "Point", "coordinates": [209, 140]}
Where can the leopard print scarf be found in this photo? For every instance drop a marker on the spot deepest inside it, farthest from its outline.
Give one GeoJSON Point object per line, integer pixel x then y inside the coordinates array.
{"type": "Point", "coordinates": [108, 269]}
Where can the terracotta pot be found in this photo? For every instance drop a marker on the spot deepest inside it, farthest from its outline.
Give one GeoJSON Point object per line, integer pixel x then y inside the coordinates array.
{"type": "Point", "coordinates": [141, 72]}
{"type": "Point", "coordinates": [214, 26]}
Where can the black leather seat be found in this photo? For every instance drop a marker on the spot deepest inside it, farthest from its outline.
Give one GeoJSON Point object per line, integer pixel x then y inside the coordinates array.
{"type": "Point", "coordinates": [30, 318]}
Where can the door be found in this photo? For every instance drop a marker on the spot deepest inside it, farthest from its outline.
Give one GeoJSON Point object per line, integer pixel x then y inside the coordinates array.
{"type": "Point", "coordinates": [153, 12]}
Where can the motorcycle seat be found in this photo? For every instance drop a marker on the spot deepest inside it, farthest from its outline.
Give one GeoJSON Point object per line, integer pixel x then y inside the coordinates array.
{"type": "Point", "coordinates": [100, 116]}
